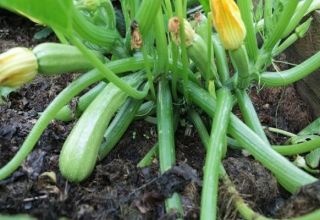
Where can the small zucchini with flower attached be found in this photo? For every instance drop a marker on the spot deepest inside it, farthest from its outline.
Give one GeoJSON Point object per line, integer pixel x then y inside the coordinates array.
{"type": "Point", "coordinates": [20, 65]}
{"type": "Point", "coordinates": [17, 66]}
{"type": "Point", "coordinates": [54, 58]}
{"type": "Point", "coordinates": [80, 150]}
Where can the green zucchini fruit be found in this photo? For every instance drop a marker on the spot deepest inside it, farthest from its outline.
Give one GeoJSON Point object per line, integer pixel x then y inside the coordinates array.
{"type": "Point", "coordinates": [119, 125]}
{"type": "Point", "coordinates": [80, 151]}
{"type": "Point", "coordinates": [55, 58]}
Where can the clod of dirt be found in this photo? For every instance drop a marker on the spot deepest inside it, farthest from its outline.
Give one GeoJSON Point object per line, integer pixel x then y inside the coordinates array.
{"type": "Point", "coordinates": [306, 200]}
{"type": "Point", "coordinates": [179, 178]}
{"type": "Point", "coordinates": [254, 183]}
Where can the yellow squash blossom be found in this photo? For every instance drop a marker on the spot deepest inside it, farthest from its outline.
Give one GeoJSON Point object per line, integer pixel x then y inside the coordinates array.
{"type": "Point", "coordinates": [228, 23]}
{"type": "Point", "coordinates": [17, 66]}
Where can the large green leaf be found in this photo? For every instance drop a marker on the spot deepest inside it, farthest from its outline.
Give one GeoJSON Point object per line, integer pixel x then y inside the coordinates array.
{"type": "Point", "coordinates": [54, 13]}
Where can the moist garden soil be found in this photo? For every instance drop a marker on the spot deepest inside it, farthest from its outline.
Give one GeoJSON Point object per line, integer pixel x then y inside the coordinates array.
{"type": "Point", "coordinates": [117, 189]}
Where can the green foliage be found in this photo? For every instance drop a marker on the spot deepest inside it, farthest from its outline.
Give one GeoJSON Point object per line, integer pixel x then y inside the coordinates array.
{"type": "Point", "coordinates": [43, 34]}
{"type": "Point", "coordinates": [145, 46]}
{"type": "Point", "coordinates": [54, 13]}
{"type": "Point", "coordinates": [205, 4]}
{"type": "Point", "coordinates": [4, 92]}
{"type": "Point", "coordinates": [313, 158]}
{"type": "Point", "coordinates": [313, 128]}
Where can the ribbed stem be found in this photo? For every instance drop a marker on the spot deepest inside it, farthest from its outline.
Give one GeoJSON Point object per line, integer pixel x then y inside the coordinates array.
{"type": "Point", "coordinates": [267, 11]}
{"type": "Point", "coordinates": [249, 114]}
{"type": "Point", "coordinates": [166, 138]}
{"type": "Point", "coordinates": [92, 33]}
{"type": "Point", "coordinates": [295, 149]}
{"type": "Point", "coordinates": [107, 73]}
{"type": "Point", "coordinates": [300, 32]}
{"type": "Point", "coordinates": [147, 159]}
{"type": "Point", "coordinates": [245, 211]}
{"type": "Point", "coordinates": [146, 14]}
{"type": "Point", "coordinates": [241, 62]}
{"type": "Point", "coordinates": [184, 56]}
{"type": "Point", "coordinates": [161, 41]}
{"type": "Point", "coordinates": [283, 78]}
{"type": "Point", "coordinates": [220, 123]}
{"type": "Point", "coordinates": [246, 9]}
{"type": "Point", "coordinates": [221, 59]}
{"type": "Point", "coordinates": [298, 15]}
{"type": "Point", "coordinates": [281, 25]}
{"type": "Point", "coordinates": [291, 177]}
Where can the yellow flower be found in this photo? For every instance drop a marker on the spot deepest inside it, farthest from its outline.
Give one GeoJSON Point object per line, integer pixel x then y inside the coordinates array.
{"type": "Point", "coordinates": [228, 23]}
{"type": "Point", "coordinates": [17, 66]}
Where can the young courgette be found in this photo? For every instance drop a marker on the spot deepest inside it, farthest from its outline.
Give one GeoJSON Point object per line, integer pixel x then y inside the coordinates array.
{"type": "Point", "coordinates": [80, 150]}
{"type": "Point", "coordinates": [119, 125]}
{"type": "Point", "coordinates": [54, 58]}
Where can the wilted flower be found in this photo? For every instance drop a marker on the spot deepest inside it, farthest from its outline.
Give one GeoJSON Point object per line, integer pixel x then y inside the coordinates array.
{"type": "Point", "coordinates": [174, 28]}
{"type": "Point", "coordinates": [136, 38]}
{"type": "Point", "coordinates": [228, 23]}
{"type": "Point", "coordinates": [17, 66]}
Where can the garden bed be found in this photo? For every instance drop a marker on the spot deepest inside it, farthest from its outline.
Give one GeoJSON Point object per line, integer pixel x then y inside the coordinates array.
{"type": "Point", "coordinates": [118, 189]}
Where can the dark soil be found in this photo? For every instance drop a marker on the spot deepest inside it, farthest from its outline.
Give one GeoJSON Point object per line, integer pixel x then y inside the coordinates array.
{"type": "Point", "coordinates": [118, 189]}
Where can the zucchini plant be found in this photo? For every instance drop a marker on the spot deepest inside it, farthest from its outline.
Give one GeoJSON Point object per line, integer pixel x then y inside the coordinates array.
{"type": "Point", "coordinates": [207, 62]}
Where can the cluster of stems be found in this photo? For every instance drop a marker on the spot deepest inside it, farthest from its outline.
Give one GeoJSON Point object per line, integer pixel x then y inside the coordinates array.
{"type": "Point", "coordinates": [189, 64]}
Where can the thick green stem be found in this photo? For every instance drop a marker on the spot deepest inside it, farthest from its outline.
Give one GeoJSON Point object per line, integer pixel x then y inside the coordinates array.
{"type": "Point", "coordinates": [184, 56]}
{"type": "Point", "coordinates": [280, 28]}
{"type": "Point", "coordinates": [283, 78]}
{"type": "Point", "coordinates": [147, 159]}
{"type": "Point", "coordinates": [161, 41]}
{"type": "Point", "coordinates": [298, 148]}
{"type": "Point", "coordinates": [291, 177]}
{"type": "Point", "coordinates": [298, 15]}
{"type": "Point", "coordinates": [201, 128]}
{"type": "Point", "coordinates": [146, 14]}
{"type": "Point", "coordinates": [149, 72]}
{"type": "Point", "coordinates": [92, 33]}
{"type": "Point", "coordinates": [221, 59]}
{"type": "Point", "coordinates": [267, 16]}
{"type": "Point", "coordinates": [110, 14]}
{"type": "Point", "coordinates": [250, 115]}
{"type": "Point", "coordinates": [209, 193]}
{"type": "Point", "coordinates": [287, 150]}
{"type": "Point", "coordinates": [62, 99]}
{"type": "Point", "coordinates": [107, 73]}
{"type": "Point", "coordinates": [300, 32]}
{"type": "Point", "coordinates": [245, 211]}
{"type": "Point", "coordinates": [246, 9]}
{"type": "Point", "coordinates": [166, 138]}
{"type": "Point", "coordinates": [241, 62]}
